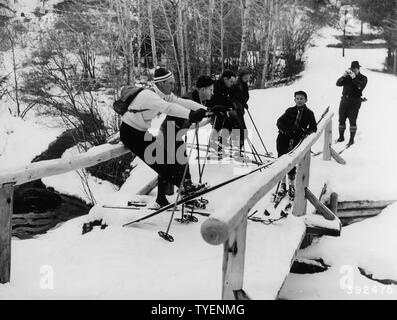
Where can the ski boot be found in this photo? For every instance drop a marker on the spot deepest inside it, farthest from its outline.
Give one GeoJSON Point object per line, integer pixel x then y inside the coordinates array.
{"type": "Point", "coordinates": [158, 204]}
{"type": "Point", "coordinates": [291, 193]}
{"type": "Point", "coordinates": [282, 191]}
{"type": "Point", "coordinates": [197, 204]}
{"type": "Point", "coordinates": [190, 188]}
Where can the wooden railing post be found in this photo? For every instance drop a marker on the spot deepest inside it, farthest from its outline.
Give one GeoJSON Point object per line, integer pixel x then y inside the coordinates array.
{"type": "Point", "coordinates": [302, 182]}
{"type": "Point", "coordinates": [233, 264]}
{"type": "Point", "coordinates": [327, 142]}
{"type": "Point", "coordinates": [6, 204]}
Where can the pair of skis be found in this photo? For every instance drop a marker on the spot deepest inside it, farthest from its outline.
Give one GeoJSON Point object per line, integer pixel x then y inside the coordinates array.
{"type": "Point", "coordinates": [275, 203]}
{"type": "Point", "coordinates": [199, 194]}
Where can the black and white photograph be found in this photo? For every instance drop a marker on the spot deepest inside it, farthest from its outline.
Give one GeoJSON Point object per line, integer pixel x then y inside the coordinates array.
{"type": "Point", "coordinates": [201, 151]}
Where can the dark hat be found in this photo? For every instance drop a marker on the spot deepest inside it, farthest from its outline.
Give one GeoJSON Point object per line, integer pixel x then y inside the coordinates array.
{"type": "Point", "coordinates": [355, 65]}
{"type": "Point", "coordinates": [243, 71]}
{"type": "Point", "coordinates": [301, 93]}
{"type": "Point", "coordinates": [162, 74]}
{"type": "Point", "coordinates": [204, 81]}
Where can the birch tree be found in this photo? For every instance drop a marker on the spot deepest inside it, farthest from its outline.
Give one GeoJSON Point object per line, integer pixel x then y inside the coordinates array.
{"type": "Point", "coordinates": [245, 11]}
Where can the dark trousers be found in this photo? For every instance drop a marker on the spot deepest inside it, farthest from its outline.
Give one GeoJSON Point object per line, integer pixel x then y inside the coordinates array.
{"type": "Point", "coordinates": [234, 119]}
{"type": "Point", "coordinates": [286, 143]}
{"type": "Point", "coordinates": [165, 187]}
{"type": "Point", "coordinates": [134, 140]}
{"type": "Point", "coordinates": [349, 109]}
{"type": "Point", "coordinates": [240, 124]}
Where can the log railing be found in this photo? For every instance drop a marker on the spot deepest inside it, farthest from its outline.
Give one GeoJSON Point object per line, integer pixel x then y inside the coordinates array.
{"type": "Point", "coordinates": [230, 227]}
{"type": "Point", "coordinates": [12, 177]}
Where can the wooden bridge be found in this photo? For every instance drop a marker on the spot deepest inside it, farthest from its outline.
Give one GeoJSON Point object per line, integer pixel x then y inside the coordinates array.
{"type": "Point", "coordinates": [227, 226]}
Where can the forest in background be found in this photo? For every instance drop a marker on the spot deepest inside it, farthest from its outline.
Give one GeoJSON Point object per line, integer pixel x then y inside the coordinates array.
{"type": "Point", "coordinates": [71, 59]}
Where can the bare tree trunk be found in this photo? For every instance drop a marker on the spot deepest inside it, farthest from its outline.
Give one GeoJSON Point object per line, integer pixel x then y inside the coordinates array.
{"type": "Point", "coordinates": [139, 38]}
{"type": "Point", "coordinates": [211, 8]}
{"type": "Point", "coordinates": [14, 67]}
{"type": "Point", "coordinates": [362, 28]}
{"type": "Point", "coordinates": [181, 47]}
{"type": "Point", "coordinates": [267, 46]}
{"type": "Point", "coordinates": [222, 35]}
{"type": "Point", "coordinates": [188, 62]}
{"type": "Point", "coordinates": [172, 40]}
{"type": "Point", "coordinates": [275, 44]}
{"type": "Point", "coordinates": [245, 10]}
{"type": "Point", "coordinates": [152, 35]}
{"type": "Point", "coordinates": [395, 61]}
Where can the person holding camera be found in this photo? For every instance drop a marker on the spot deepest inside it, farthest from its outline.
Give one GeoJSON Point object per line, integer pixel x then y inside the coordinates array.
{"type": "Point", "coordinates": [353, 83]}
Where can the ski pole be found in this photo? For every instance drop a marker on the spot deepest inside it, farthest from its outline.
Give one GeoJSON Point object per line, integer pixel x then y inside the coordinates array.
{"type": "Point", "coordinates": [198, 155]}
{"type": "Point", "coordinates": [208, 150]}
{"type": "Point", "coordinates": [257, 131]}
{"type": "Point", "coordinates": [165, 235]}
{"type": "Point", "coordinates": [254, 151]}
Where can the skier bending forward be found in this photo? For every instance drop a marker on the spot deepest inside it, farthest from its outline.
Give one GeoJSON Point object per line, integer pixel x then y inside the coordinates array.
{"type": "Point", "coordinates": [145, 107]}
{"type": "Point", "coordinates": [294, 125]}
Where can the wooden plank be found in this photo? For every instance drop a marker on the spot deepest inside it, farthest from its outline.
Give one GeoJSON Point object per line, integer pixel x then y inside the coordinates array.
{"type": "Point", "coordinates": [6, 205]}
{"type": "Point", "coordinates": [233, 264]}
{"type": "Point", "coordinates": [334, 203]}
{"type": "Point", "coordinates": [321, 208]}
{"type": "Point", "coordinates": [358, 205]}
{"type": "Point", "coordinates": [321, 231]}
{"type": "Point", "coordinates": [30, 222]}
{"type": "Point", "coordinates": [337, 157]}
{"type": "Point", "coordinates": [43, 215]}
{"type": "Point", "coordinates": [302, 182]}
{"type": "Point", "coordinates": [34, 171]}
{"type": "Point", "coordinates": [327, 142]}
{"type": "Point", "coordinates": [216, 229]}
{"type": "Point", "coordinates": [362, 213]}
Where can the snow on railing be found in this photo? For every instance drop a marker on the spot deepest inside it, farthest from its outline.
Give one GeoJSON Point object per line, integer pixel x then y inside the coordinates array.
{"type": "Point", "coordinates": [228, 225]}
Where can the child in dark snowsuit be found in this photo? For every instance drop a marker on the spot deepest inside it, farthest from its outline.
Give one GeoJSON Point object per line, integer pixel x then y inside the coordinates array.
{"type": "Point", "coordinates": [294, 125]}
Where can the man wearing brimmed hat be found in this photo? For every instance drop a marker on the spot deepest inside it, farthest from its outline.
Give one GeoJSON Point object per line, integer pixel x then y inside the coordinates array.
{"type": "Point", "coordinates": [353, 83]}
{"type": "Point", "coordinates": [147, 105]}
{"type": "Point", "coordinates": [202, 94]}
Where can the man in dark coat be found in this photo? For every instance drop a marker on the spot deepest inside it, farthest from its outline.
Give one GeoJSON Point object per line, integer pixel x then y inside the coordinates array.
{"type": "Point", "coordinates": [202, 95]}
{"type": "Point", "coordinates": [240, 95]}
{"type": "Point", "coordinates": [223, 101]}
{"type": "Point", "coordinates": [353, 83]}
{"type": "Point", "coordinates": [294, 125]}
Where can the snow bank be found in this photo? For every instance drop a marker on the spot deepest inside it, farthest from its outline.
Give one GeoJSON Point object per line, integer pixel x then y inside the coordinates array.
{"type": "Point", "coordinates": [21, 141]}
{"type": "Point", "coordinates": [369, 245]}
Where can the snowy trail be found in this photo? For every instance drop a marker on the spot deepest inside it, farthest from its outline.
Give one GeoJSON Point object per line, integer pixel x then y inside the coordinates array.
{"type": "Point", "coordinates": [135, 263]}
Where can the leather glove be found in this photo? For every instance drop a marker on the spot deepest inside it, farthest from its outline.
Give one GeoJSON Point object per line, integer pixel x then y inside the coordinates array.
{"type": "Point", "coordinates": [217, 110]}
{"type": "Point", "coordinates": [197, 115]}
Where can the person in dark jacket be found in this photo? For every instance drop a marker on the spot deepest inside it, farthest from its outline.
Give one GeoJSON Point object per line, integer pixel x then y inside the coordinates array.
{"type": "Point", "coordinates": [240, 95]}
{"type": "Point", "coordinates": [294, 125]}
{"type": "Point", "coordinates": [202, 95]}
{"type": "Point", "coordinates": [353, 83]}
{"type": "Point", "coordinates": [223, 101]}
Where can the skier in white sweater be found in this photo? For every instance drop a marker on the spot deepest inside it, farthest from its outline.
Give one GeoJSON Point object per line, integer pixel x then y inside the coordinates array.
{"type": "Point", "coordinates": [147, 105]}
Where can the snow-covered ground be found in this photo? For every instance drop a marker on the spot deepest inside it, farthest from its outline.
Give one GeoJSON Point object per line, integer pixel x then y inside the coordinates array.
{"type": "Point", "coordinates": [134, 263]}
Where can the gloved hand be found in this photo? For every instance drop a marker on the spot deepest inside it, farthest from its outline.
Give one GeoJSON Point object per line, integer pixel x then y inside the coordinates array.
{"type": "Point", "coordinates": [216, 110]}
{"type": "Point", "coordinates": [304, 132]}
{"type": "Point", "coordinates": [197, 115]}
